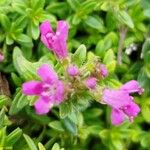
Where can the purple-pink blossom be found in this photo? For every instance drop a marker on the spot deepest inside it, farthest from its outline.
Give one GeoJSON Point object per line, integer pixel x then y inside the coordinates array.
{"type": "Point", "coordinates": [50, 89]}
{"type": "Point", "coordinates": [55, 41]}
{"type": "Point", "coordinates": [122, 102]}
{"type": "Point", "coordinates": [91, 82]}
{"type": "Point", "coordinates": [73, 70]}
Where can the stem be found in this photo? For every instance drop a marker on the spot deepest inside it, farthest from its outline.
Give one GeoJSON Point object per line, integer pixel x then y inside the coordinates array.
{"type": "Point", "coordinates": [122, 35]}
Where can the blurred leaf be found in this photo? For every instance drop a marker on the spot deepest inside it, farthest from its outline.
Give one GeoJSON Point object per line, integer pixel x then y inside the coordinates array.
{"type": "Point", "coordinates": [30, 142]}
{"type": "Point", "coordinates": [18, 103]}
{"type": "Point", "coordinates": [4, 100]}
{"type": "Point", "coordinates": [145, 141]}
{"type": "Point", "coordinates": [5, 22]}
{"type": "Point", "coordinates": [70, 126]}
{"type": "Point", "coordinates": [80, 55]}
{"type": "Point", "coordinates": [146, 112]}
{"type": "Point", "coordinates": [55, 147]}
{"type": "Point", "coordinates": [24, 40]}
{"type": "Point", "coordinates": [41, 147]}
{"type": "Point", "coordinates": [2, 136]}
{"type": "Point", "coordinates": [65, 109]}
{"type": "Point", "coordinates": [146, 7]}
{"type": "Point", "coordinates": [17, 81]}
{"type": "Point", "coordinates": [56, 125]}
{"type": "Point", "coordinates": [124, 18]}
{"type": "Point", "coordinates": [2, 116]}
{"type": "Point", "coordinates": [26, 69]}
{"type": "Point", "coordinates": [109, 60]}
{"type": "Point", "coordinates": [74, 4]}
{"type": "Point", "coordinates": [35, 31]}
{"type": "Point", "coordinates": [95, 23]}
{"type": "Point", "coordinates": [14, 136]}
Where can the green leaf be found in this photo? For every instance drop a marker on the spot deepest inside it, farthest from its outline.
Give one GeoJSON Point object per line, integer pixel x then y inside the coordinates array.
{"type": "Point", "coordinates": [109, 60]}
{"type": "Point", "coordinates": [14, 136]}
{"type": "Point", "coordinates": [65, 109]}
{"type": "Point", "coordinates": [80, 55]}
{"type": "Point", "coordinates": [35, 31]}
{"type": "Point", "coordinates": [111, 21]}
{"type": "Point", "coordinates": [74, 4]}
{"type": "Point", "coordinates": [118, 145]}
{"type": "Point", "coordinates": [2, 136]}
{"type": "Point", "coordinates": [26, 69]}
{"type": "Point", "coordinates": [5, 22]}
{"type": "Point", "coordinates": [146, 47]}
{"type": "Point", "coordinates": [55, 147]}
{"type": "Point", "coordinates": [20, 23]}
{"type": "Point", "coordinates": [144, 80]}
{"type": "Point", "coordinates": [70, 126]}
{"type": "Point", "coordinates": [145, 141]}
{"type": "Point", "coordinates": [42, 120]}
{"type": "Point", "coordinates": [95, 23]}
{"type": "Point", "coordinates": [2, 117]}
{"type": "Point", "coordinates": [41, 147]}
{"type": "Point", "coordinates": [17, 81]}
{"type": "Point", "coordinates": [56, 125]}
{"type": "Point", "coordinates": [124, 18]}
{"type": "Point", "coordinates": [37, 4]}
{"type": "Point", "coordinates": [9, 40]}
{"type": "Point", "coordinates": [146, 112]}
{"type": "Point", "coordinates": [30, 142]}
{"type": "Point", "coordinates": [146, 7]}
{"type": "Point", "coordinates": [24, 40]}
{"type": "Point", "coordinates": [4, 100]}
{"type": "Point", "coordinates": [19, 102]}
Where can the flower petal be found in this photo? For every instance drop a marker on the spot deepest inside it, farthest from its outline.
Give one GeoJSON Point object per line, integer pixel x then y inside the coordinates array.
{"type": "Point", "coordinates": [42, 107]}
{"type": "Point", "coordinates": [60, 48]}
{"type": "Point", "coordinates": [117, 117]}
{"type": "Point", "coordinates": [45, 41]}
{"type": "Point", "coordinates": [116, 98]}
{"type": "Point", "coordinates": [45, 28]}
{"type": "Point", "coordinates": [59, 95]}
{"type": "Point", "coordinates": [47, 73]}
{"type": "Point", "coordinates": [132, 109]}
{"type": "Point", "coordinates": [132, 87]}
{"type": "Point", "coordinates": [62, 30]}
{"type": "Point", "coordinates": [59, 40]}
{"type": "Point", "coordinates": [32, 87]}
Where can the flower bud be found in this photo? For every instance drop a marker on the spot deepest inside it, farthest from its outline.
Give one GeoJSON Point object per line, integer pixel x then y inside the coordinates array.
{"type": "Point", "coordinates": [73, 70]}
{"type": "Point", "coordinates": [103, 70]}
{"type": "Point", "coordinates": [91, 83]}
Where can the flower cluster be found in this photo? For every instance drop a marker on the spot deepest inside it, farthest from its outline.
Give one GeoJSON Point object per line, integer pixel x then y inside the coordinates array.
{"type": "Point", "coordinates": [53, 90]}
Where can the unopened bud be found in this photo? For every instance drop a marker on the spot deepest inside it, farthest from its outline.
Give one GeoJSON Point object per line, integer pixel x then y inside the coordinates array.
{"type": "Point", "coordinates": [73, 70]}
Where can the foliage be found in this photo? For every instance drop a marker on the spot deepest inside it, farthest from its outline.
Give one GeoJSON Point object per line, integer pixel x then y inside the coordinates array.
{"type": "Point", "coordinates": [104, 27]}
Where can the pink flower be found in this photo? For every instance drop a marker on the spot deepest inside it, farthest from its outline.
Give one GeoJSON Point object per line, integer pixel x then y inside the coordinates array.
{"type": "Point", "coordinates": [91, 83]}
{"type": "Point", "coordinates": [55, 41]}
{"type": "Point", "coordinates": [73, 70]}
{"type": "Point", "coordinates": [132, 87]}
{"type": "Point", "coordinates": [50, 90]}
{"type": "Point", "coordinates": [121, 102]}
{"type": "Point", "coordinates": [103, 70]}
